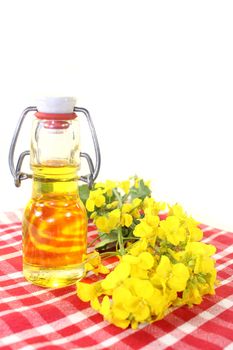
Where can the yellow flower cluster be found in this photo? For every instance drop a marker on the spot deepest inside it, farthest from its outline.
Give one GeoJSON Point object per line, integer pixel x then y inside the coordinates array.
{"type": "Point", "coordinates": [93, 263]}
{"type": "Point", "coordinates": [108, 222]}
{"type": "Point", "coordinates": [112, 219]}
{"type": "Point", "coordinates": [108, 216]}
{"type": "Point", "coordinates": [96, 199]}
{"type": "Point", "coordinates": [198, 257]}
{"type": "Point", "coordinates": [142, 287]}
{"type": "Point", "coordinates": [162, 264]}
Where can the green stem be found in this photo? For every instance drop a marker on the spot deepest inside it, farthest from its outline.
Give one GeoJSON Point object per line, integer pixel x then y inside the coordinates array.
{"type": "Point", "coordinates": [118, 196]}
{"type": "Point", "coordinates": [119, 230]}
{"type": "Point", "coordinates": [125, 197]}
{"type": "Point", "coordinates": [120, 241]}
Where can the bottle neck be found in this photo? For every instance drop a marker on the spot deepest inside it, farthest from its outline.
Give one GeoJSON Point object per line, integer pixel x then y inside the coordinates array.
{"type": "Point", "coordinates": [52, 181]}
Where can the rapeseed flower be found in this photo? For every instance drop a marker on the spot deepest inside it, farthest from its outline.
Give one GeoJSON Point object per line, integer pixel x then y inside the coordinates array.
{"type": "Point", "coordinates": [125, 186]}
{"type": "Point", "coordinates": [107, 187]}
{"type": "Point", "coordinates": [96, 199]}
{"type": "Point", "coordinates": [94, 263]}
{"type": "Point", "coordinates": [171, 230]}
{"type": "Point", "coordinates": [162, 262]}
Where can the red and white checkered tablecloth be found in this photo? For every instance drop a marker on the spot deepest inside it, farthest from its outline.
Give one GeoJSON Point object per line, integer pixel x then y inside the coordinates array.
{"type": "Point", "coordinates": [35, 318]}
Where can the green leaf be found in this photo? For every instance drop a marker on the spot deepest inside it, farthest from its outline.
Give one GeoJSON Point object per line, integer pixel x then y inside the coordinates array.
{"type": "Point", "coordinates": [84, 193]}
{"type": "Point", "coordinates": [106, 239]}
{"type": "Point", "coordinates": [103, 244]}
{"type": "Point", "coordinates": [141, 192]}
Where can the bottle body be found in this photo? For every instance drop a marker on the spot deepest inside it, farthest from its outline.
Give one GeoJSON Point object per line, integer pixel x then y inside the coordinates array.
{"type": "Point", "coordinates": [54, 228]}
{"type": "Point", "coordinates": [55, 220]}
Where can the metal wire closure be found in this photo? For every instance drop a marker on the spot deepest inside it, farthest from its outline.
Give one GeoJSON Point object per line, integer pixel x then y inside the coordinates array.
{"type": "Point", "coordinates": [16, 171]}
{"type": "Point", "coordinates": [90, 178]}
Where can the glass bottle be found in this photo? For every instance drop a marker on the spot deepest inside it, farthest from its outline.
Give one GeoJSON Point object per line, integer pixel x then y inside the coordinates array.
{"type": "Point", "coordinates": [55, 220]}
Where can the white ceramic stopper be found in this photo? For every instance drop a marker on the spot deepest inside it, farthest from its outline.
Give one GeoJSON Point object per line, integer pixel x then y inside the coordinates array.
{"type": "Point", "coordinates": [56, 104]}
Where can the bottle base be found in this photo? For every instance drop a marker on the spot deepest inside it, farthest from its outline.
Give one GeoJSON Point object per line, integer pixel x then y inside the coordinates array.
{"type": "Point", "coordinates": [53, 277]}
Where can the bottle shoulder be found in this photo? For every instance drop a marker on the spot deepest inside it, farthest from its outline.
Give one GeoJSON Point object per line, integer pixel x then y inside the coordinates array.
{"type": "Point", "coordinates": [54, 204]}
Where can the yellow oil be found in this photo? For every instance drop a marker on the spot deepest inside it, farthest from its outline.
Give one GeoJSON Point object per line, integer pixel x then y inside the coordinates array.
{"type": "Point", "coordinates": [54, 228]}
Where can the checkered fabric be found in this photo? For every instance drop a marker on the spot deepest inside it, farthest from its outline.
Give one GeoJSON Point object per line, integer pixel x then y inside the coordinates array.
{"type": "Point", "coordinates": [35, 318]}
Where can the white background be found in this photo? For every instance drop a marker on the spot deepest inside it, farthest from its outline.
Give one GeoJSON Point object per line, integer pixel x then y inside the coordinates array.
{"type": "Point", "coordinates": [157, 77]}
